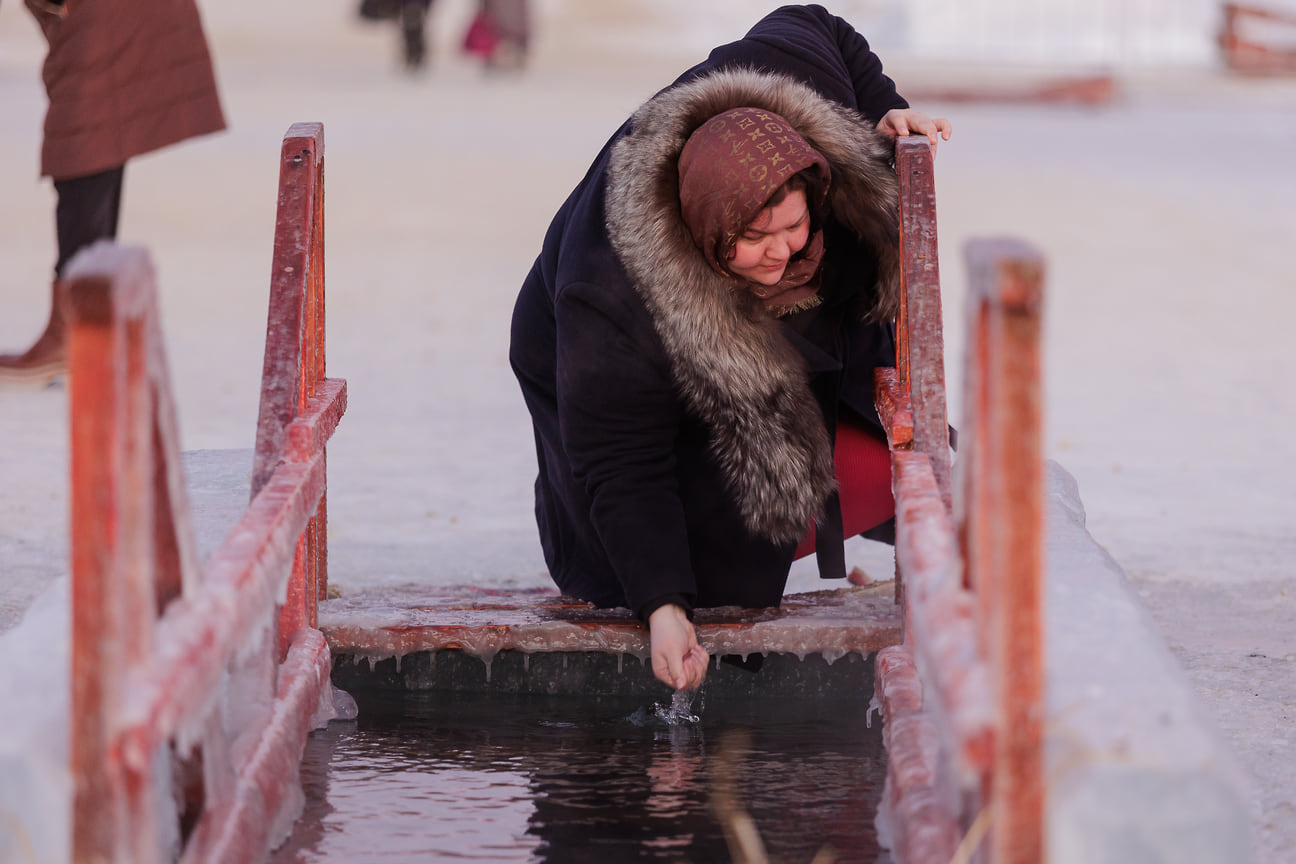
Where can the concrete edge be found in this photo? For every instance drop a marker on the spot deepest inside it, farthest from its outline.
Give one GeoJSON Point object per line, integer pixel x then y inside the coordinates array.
{"type": "Point", "coordinates": [1137, 772]}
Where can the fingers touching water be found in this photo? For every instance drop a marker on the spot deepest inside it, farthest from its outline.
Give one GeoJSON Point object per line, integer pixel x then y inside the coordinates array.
{"type": "Point", "coordinates": [677, 659]}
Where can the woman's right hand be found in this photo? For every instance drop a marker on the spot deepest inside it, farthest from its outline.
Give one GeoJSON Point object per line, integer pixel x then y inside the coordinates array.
{"type": "Point", "coordinates": [677, 659]}
{"type": "Point", "coordinates": [906, 121]}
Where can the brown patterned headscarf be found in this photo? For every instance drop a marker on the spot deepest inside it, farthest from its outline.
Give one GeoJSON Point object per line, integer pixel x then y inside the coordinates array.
{"type": "Point", "coordinates": [729, 168]}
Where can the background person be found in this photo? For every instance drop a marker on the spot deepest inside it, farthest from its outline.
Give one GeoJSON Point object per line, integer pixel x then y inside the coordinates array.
{"type": "Point", "coordinates": [690, 348]}
{"type": "Point", "coordinates": [499, 33]}
{"type": "Point", "coordinates": [123, 78]}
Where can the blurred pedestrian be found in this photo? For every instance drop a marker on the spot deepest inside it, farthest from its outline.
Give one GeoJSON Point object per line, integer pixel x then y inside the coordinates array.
{"type": "Point", "coordinates": [498, 34]}
{"type": "Point", "coordinates": [123, 78]}
{"type": "Point", "coordinates": [504, 29]}
{"type": "Point", "coordinates": [697, 338]}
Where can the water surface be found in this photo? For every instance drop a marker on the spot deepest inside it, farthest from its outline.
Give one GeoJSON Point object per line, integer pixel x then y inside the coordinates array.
{"type": "Point", "coordinates": [530, 778]}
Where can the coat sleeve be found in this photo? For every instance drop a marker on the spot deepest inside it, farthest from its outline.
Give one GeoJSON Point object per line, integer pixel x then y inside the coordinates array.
{"type": "Point", "coordinates": [825, 51]}
{"type": "Point", "coordinates": [875, 92]}
{"type": "Point", "coordinates": [619, 417]}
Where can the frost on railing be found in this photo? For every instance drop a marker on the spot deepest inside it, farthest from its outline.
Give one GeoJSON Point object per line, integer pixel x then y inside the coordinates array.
{"type": "Point", "coordinates": [193, 690]}
{"type": "Point", "coordinates": [962, 696]}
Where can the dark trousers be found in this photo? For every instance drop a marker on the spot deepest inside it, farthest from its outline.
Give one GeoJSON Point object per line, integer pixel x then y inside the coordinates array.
{"type": "Point", "coordinates": [87, 211]}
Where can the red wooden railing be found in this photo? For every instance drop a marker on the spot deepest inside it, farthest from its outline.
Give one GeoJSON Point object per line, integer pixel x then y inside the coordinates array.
{"type": "Point", "coordinates": [962, 696]}
{"type": "Point", "coordinates": [1003, 528]}
{"type": "Point", "coordinates": [178, 672]}
{"type": "Point", "coordinates": [292, 379]}
{"type": "Point", "coordinates": [920, 337]}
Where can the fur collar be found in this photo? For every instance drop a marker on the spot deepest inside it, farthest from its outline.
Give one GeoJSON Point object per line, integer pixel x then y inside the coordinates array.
{"type": "Point", "coordinates": [731, 363]}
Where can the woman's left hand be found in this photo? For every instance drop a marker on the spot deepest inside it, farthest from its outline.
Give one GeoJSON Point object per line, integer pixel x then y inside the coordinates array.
{"type": "Point", "coordinates": [904, 121]}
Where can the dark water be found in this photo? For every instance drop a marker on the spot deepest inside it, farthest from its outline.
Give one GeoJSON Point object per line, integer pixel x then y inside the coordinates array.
{"type": "Point", "coordinates": [529, 778]}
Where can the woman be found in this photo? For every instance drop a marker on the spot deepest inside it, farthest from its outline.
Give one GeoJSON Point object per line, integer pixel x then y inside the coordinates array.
{"type": "Point", "coordinates": [695, 333]}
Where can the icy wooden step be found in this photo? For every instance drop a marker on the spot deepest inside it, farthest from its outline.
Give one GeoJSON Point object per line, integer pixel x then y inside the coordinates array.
{"type": "Point", "coordinates": [396, 622]}
{"type": "Point", "coordinates": [537, 640]}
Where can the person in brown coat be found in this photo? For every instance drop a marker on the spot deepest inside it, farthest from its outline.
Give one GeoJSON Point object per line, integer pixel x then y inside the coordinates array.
{"type": "Point", "coordinates": [123, 78]}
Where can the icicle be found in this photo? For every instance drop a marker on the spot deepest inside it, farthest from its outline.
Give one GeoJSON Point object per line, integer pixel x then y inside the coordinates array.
{"type": "Point", "coordinates": [526, 662]}
{"type": "Point", "coordinates": [488, 659]}
{"type": "Point", "coordinates": [620, 661]}
{"type": "Point", "coordinates": [344, 704]}
{"type": "Point", "coordinates": [883, 822]}
{"type": "Point", "coordinates": [874, 705]}
{"type": "Point", "coordinates": [399, 658]}
{"type": "Point", "coordinates": [833, 655]}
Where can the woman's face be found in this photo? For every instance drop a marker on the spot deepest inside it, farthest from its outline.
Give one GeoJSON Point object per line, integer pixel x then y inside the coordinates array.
{"type": "Point", "coordinates": [769, 242]}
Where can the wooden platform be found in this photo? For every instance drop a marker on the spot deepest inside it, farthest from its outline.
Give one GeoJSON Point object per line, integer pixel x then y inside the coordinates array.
{"type": "Point", "coordinates": [395, 622]}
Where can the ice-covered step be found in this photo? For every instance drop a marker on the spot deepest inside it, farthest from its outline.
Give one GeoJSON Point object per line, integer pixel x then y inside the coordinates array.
{"type": "Point", "coordinates": [470, 637]}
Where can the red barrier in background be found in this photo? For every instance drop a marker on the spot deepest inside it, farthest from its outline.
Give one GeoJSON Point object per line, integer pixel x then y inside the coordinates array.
{"type": "Point", "coordinates": [962, 696]}
{"type": "Point", "coordinates": [1255, 40]}
{"type": "Point", "coordinates": [188, 717]}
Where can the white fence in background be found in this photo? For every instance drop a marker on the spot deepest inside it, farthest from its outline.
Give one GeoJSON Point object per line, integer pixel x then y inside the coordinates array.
{"type": "Point", "coordinates": [1077, 33]}
{"type": "Point", "coordinates": [1065, 32]}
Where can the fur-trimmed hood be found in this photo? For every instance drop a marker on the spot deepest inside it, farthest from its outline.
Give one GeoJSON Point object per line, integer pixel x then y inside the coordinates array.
{"type": "Point", "coordinates": [733, 366]}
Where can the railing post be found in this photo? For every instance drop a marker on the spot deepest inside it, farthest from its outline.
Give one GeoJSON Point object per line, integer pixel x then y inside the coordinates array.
{"type": "Point", "coordinates": [319, 524]}
{"type": "Point", "coordinates": [920, 334]}
{"type": "Point", "coordinates": [94, 393]}
{"type": "Point", "coordinates": [108, 301]}
{"type": "Point", "coordinates": [294, 354]}
{"type": "Point", "coordinates": [1003, 486]}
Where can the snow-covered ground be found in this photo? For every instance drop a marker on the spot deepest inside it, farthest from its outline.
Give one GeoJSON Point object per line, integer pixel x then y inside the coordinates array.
{"type": "Point", "coordinates": [1166, 219]}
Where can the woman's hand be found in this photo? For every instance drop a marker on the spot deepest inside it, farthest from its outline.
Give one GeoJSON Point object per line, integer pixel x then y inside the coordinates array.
{"type": "Point", "coordinates": [677, 659]}
{"type": "Point", "coordinates": [903, 121]}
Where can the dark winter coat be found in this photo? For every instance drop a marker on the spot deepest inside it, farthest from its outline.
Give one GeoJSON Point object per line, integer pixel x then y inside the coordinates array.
{"type": "Point", "coordinates": [124, 77]}
{"type": "Point", "coordinates": [683, 434]}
